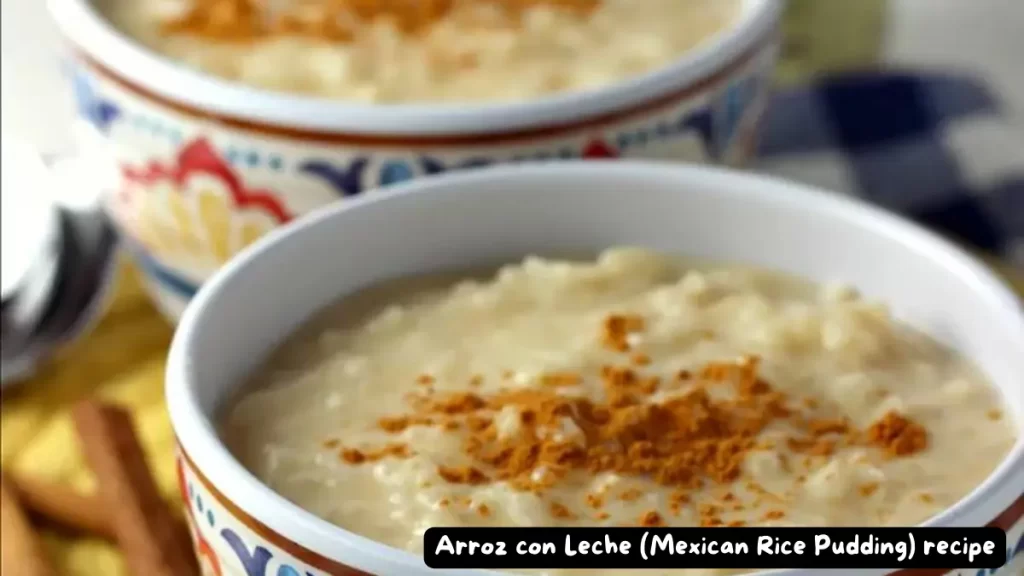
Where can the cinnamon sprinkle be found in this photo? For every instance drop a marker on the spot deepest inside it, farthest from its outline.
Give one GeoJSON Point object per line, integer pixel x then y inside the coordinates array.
{"type": "Point", "coordinates": [683, 441]}
{"type": "Point", "coordinates": [630, 495]}
{"type": "Point", "coordinates": [559, 510]}
{"type": "Point", "coordinates": [356, 456]}
{"type": "Point", "coordinates": [898, 435]}
{"type": "Point", "coordinates": [462, 475]}
{"type": "Point", "coordinates": [868, 489]}
{"type": "Point", "coordinates": [651, 519]}
{"type": "Point", "coordinates": [617, 328]}
{"type": "Point", "coordinates": [335, 20]}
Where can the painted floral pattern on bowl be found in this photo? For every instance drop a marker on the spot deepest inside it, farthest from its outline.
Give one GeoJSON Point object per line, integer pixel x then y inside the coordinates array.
{"type": "Point", "coordinates": [196, 188]}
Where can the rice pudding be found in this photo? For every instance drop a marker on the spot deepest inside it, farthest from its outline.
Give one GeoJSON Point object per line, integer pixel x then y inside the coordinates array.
{"type": "Point", "coordinates": [630, 390]}
{"type": "Point", "coordinates": [428, 50]}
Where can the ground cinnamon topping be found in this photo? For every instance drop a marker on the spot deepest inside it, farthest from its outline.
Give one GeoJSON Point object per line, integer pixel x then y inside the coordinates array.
{"type": "Point", "coordinates": [677, 500]}
{"type": "Point", "coordinates": [685, 440]}
{"type": "Point", "coordinates": [868, 489]}
{"type": "Point", "coordinates": [617, 329]}
{"type": "Point", "coordinates": [356, 456]}
{"type": "Point", "coordinates": [462, 475]}
{"type": "Point", "coordinates": [898, 435]}
{"type": "Point", "coordinates": [559, 510]}
{"type": "Point", "coordinates": [651, 518]}
{"type": "Point", "coordinates": [560, 379]}
{"type": "Point", "coordinates": [630, 495]}
{"type": "Point", "coordinates": [641, 359]}
{"type": "Point", "coordinates": [334, 20]}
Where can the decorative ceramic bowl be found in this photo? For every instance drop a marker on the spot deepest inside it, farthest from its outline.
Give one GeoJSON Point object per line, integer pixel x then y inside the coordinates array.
{"type": "Point", "coordinates": [205, 166]}
{"type": "Point", "coordinates": [458, 220]}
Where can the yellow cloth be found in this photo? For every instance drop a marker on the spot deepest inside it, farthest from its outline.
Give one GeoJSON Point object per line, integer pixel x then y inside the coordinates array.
{"type": "Point", "coordinates": [121, 361]}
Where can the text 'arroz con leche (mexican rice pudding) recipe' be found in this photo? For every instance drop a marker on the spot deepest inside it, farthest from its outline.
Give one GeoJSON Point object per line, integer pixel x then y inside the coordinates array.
{"type": "Point", "coordinates": [630, 390]}
{"type": "Point", "coordinates": [423, 50]}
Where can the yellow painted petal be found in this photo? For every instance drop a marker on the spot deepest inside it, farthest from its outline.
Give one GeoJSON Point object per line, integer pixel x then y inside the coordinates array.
{"type": "Point", "coordinates": [215, 215]}
{"type": "Point", "coordinates": [252, 231]}
{"type": "Point", "coordinates": [185, 221]}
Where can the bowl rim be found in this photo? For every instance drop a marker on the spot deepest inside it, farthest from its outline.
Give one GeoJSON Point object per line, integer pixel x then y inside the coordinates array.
{"type": "Point", "coordinates": [214, 462]}
{"type": "Point", "coordinates": [91, 36]}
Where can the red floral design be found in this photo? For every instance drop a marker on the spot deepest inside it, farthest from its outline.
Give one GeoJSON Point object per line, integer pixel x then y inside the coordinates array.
{"type": "Point", "coordinates": [199, 157]}
{"type": "Point", "coordinates": [599, 150]}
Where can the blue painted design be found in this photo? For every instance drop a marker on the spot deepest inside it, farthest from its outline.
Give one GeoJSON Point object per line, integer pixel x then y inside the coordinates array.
{"type": "Point", "coordinates": [191, 492]}
{"type": "Point", "coordinates": [1012, 551]}
{"type": "Point", "coordinates": [164, 276]}
{"type": "Point", "coordinates": [253, 159]}
{"type": "Point", "coordinates": [233, 155]}
{"type": "Point", "coordinates": [255, 562]}
{"type": "Point", "coordinates": [395, 171]}
{"type": "Point", "coordinates": [276, 163]}
{"type": "Point", "coordinates": [285, 570]}
{"type": "Point", "coordinates": [431, 165]}
{"type": "Point", "coordinates": [209, 518]}
{"type": "Point", "coordinates": [345, 180]}
{"type": "Point", "coordinates": [99, 111]}
{"type": "Point", "coordinates": [199, 503]}
{"type": "Point", "coordinates": [734, 103]}
{"type": "Point", "coordinates": [701, 122]}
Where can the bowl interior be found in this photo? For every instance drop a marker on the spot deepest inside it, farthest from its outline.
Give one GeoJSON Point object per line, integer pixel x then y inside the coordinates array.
{"type": "Point", "coordinates": [506, 213]}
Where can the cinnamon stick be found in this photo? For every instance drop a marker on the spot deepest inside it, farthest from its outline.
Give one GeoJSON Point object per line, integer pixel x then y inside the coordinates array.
{"type": "Point", "coordinates": [144, 527]}
{"type": "Point", "coordinates": [58, 504]}
{"type": "Point", "coordinates": [23, 553]}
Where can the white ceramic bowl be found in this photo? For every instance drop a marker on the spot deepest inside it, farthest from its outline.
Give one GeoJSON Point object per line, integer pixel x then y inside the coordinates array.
{"type": "Point", "coordinates": [203, 166]}
{"type": "Point", "coordinates": [506, 213]}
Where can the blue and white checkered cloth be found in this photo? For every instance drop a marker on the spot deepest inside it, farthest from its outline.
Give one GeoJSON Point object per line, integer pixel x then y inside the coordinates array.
{"type": "Point", "coordinates": [936, 148]}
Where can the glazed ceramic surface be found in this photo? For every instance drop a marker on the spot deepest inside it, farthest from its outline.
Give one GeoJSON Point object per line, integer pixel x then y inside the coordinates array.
{"type": "Point", "coordinates": [204, 167]}
{"type": "Point", "coordinates": [243, 528]}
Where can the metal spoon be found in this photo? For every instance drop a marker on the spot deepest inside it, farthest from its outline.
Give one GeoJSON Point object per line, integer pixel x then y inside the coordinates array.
{"type": "Point", "coordinates": [64, 261]}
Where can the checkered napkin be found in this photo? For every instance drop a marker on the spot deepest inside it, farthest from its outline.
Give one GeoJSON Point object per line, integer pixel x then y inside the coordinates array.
{"type": "Point", "coordinates": [937, 148]}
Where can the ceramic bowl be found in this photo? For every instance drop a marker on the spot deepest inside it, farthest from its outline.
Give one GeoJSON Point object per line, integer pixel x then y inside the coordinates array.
{"type": "Point", "coordinates": [203, 166]}
{"type": "Point", "coordinates": [505, 213]}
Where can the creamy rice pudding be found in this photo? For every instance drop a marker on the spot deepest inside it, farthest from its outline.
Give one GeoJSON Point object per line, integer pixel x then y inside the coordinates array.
{"type": "Point", "coordinates": [630, 390]}
{"type": "Point", "coordinates": [426, 50]}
